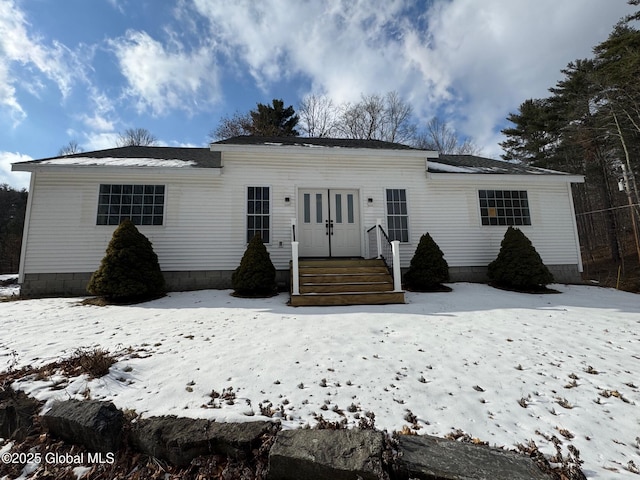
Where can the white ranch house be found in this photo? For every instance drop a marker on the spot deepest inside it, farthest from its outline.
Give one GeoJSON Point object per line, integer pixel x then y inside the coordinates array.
{"type": "Point", "coordinates": [200, 206]}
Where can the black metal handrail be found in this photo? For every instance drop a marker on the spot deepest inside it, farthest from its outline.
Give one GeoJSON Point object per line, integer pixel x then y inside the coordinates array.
{"type": "Point", "coordinates": [386, 252]}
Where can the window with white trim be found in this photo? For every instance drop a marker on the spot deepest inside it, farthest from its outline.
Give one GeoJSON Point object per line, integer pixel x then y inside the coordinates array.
{"type": "Point", "coordinates": [397, 216]}
{"type": "Point", "coordinates": [504, 207]}
{"type": "Point", "coordinates": [258, 213]}
{"type": "Point", "coordinates": [142, 204]}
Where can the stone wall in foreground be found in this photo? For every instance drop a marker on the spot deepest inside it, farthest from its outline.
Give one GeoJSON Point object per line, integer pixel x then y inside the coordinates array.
{"type": "Point", "coordinates": [292, 454]}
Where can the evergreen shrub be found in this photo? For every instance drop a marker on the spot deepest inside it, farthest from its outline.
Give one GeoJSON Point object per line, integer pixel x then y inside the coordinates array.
{"type": "Point", "coordinates": [129, 269]}
{"type": "Point", "coordinates": [518, 264]}
{"type": "Point", "coordinates": [428, 268]}
{"type": "Point", "coordinates": [256, 275]}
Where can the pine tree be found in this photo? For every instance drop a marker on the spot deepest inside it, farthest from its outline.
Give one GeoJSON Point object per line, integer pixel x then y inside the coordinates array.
{"type": "Point", "coordinates": [274, 120]}
{"type": "Point", "coordinates": [518, 264]}
{"type": "Point", "coordinates": [428, 268]}
{"type": "Point", "coordinates": [256, 275]}
{"type": "Point", "coordinates": [130, 268]}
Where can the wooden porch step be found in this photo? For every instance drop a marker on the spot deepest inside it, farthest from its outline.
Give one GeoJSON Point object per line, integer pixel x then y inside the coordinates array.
{"type": "Point", "coordinates": [336, 270]}
{"type": "Point", "coordinates": [345, 282]}
{"type": "Point", "coordinates": [345, 278]}
{"type": "Point", "coordinates": [346, 287]}
{"type": "Point", "coordinates": [347, 298]}
{"type": "Point", "coordinates": [351, 262]}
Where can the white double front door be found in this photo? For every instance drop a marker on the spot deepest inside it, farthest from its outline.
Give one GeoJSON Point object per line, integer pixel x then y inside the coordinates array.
{"type": "Point", "coordinates": [329, 223]}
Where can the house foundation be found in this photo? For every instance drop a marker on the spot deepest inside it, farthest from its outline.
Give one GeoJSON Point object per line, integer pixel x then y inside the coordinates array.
{"type": "Point", "coordinates": [75, 284]}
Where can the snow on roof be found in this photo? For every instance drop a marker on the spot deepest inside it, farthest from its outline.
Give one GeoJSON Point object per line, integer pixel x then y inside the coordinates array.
{"type": "Point", "coordinates": [444, 168]}
{"type": "Point", "coordinates": [475, 164]}
{"type": "Point", "coordinates": [119, 162]}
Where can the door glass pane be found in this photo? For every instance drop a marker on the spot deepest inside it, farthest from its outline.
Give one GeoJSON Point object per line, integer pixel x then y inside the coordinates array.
{"type": "Point", "coordinates": [350, 208]}
{"type": "Point", "coordinates": [318, 208]}
{"type": "Point", "coordinates": [338, 208]}
{"type": "Point", "coordinates": [307, 208]}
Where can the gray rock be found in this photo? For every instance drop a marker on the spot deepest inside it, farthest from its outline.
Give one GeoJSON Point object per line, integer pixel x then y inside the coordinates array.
{"type": "Point", "coordinates": [93, 424]}
{"type": "Point", "coordinates": [237, 439]}
{"type": "Point", "coordinates": [321, 454]}
{"type": "Point", "coordinates": [17, 411]}
{"type": "Point", "coordinates": [180, 440]}
{"type": "Point", "coordinates": [430, 458]}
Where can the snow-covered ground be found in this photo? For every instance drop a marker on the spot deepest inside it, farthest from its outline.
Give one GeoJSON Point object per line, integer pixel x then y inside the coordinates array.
{"type": "Point", "coordinates": [501, 366]}
{"type": "Point", "coordinates": [9, 290]}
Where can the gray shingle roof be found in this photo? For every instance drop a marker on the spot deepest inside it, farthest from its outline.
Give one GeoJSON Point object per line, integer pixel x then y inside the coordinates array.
{"type": "Point", "coordinates": [205, 158]}
{"type": "Point", "coordinates": [475, 164]}
{"type": "Point", "coordinates": [316, 142]}
{"type": "Point", "coordinates": [201, 157]}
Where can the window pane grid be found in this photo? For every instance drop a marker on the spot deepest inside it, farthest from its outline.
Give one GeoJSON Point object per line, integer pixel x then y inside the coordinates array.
{"type": "Point", "coordinates": [142, 204]}
{"type": "Point", "coordinates": [397, 217]}
{"type": "Point", "coordinates": [504, 207]}
{"type": "Point", "coordinates": [258, 213]}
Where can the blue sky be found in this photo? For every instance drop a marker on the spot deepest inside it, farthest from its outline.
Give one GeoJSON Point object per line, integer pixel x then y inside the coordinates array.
{"type": "Point", "coordinates": [86, 70]}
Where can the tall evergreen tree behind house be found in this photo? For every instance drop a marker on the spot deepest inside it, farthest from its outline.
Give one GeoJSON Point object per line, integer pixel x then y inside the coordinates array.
{"type": "Point", "coordinates": [265, 120]}
{"type": "Point", "coordinates": [590, 125]}
{"type": "Point", "coordinates": [274, 120]}
{"type": "Point", "coordinates": [13, 204]}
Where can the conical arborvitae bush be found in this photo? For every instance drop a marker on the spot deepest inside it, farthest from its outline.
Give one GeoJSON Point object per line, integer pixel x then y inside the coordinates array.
{"type": "Point", "coordinates": [428, 268]}
{"type": "Point", "coordinates": [256, 275]}
{"type": "Point", "coordinates": [518, 264]}
{"type": "Point", "coordinates": [130, 268]}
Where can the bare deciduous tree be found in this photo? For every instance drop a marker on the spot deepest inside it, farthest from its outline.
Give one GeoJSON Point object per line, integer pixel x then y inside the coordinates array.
{"type": "Point", "coordinates": [439, 136]}
{"type": "Point", "coordinates": [377, 117]}
{"type": "Point", "coordinates": [136, 137]}
{"type": "Point", "coordinates": [318, 116]}
{"type": "Point", "coordinates": [398, 119]}
{"type": "Point", "coordinates": [234, 126]}
{"type": "Point", "coordinates": [70, 148]}
{"type": "Point", "coordinates": [365, 119]}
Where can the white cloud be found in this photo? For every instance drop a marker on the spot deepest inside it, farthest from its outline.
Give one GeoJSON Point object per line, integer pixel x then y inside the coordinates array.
{"type": "Point", "coordinates": [99, 141]}
{"type": "Point", "coordinates": [53, 62]}
{"type": "Point", "coordinates": [501, 53]}
{"type": "Point", "coordinates": [104, 115]}
{"type": "Point", "coordinates": [163, 77]}
{"type": "Point", "coordinates": [343, 47]}
{"type": "Point", "coordinates": [18, 180]}
{"type": "Point", "coordinates": [8, 96]}
{"type": "Point", "coordinates": [477, 61]}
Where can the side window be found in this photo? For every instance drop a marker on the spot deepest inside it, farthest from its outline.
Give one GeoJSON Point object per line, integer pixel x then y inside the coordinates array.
{"type": "Point", "coordinates": [504, 207]}
{"type": "Point", "coordinates": [142, 204]}
{"type": "Point", "coordinates": [258, 213]}
{"type": "Point", "coordinates": [397, 216]}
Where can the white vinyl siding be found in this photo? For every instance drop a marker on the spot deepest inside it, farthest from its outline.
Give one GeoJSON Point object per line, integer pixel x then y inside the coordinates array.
{"type": "Point", "coordinates": [205, 214]}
